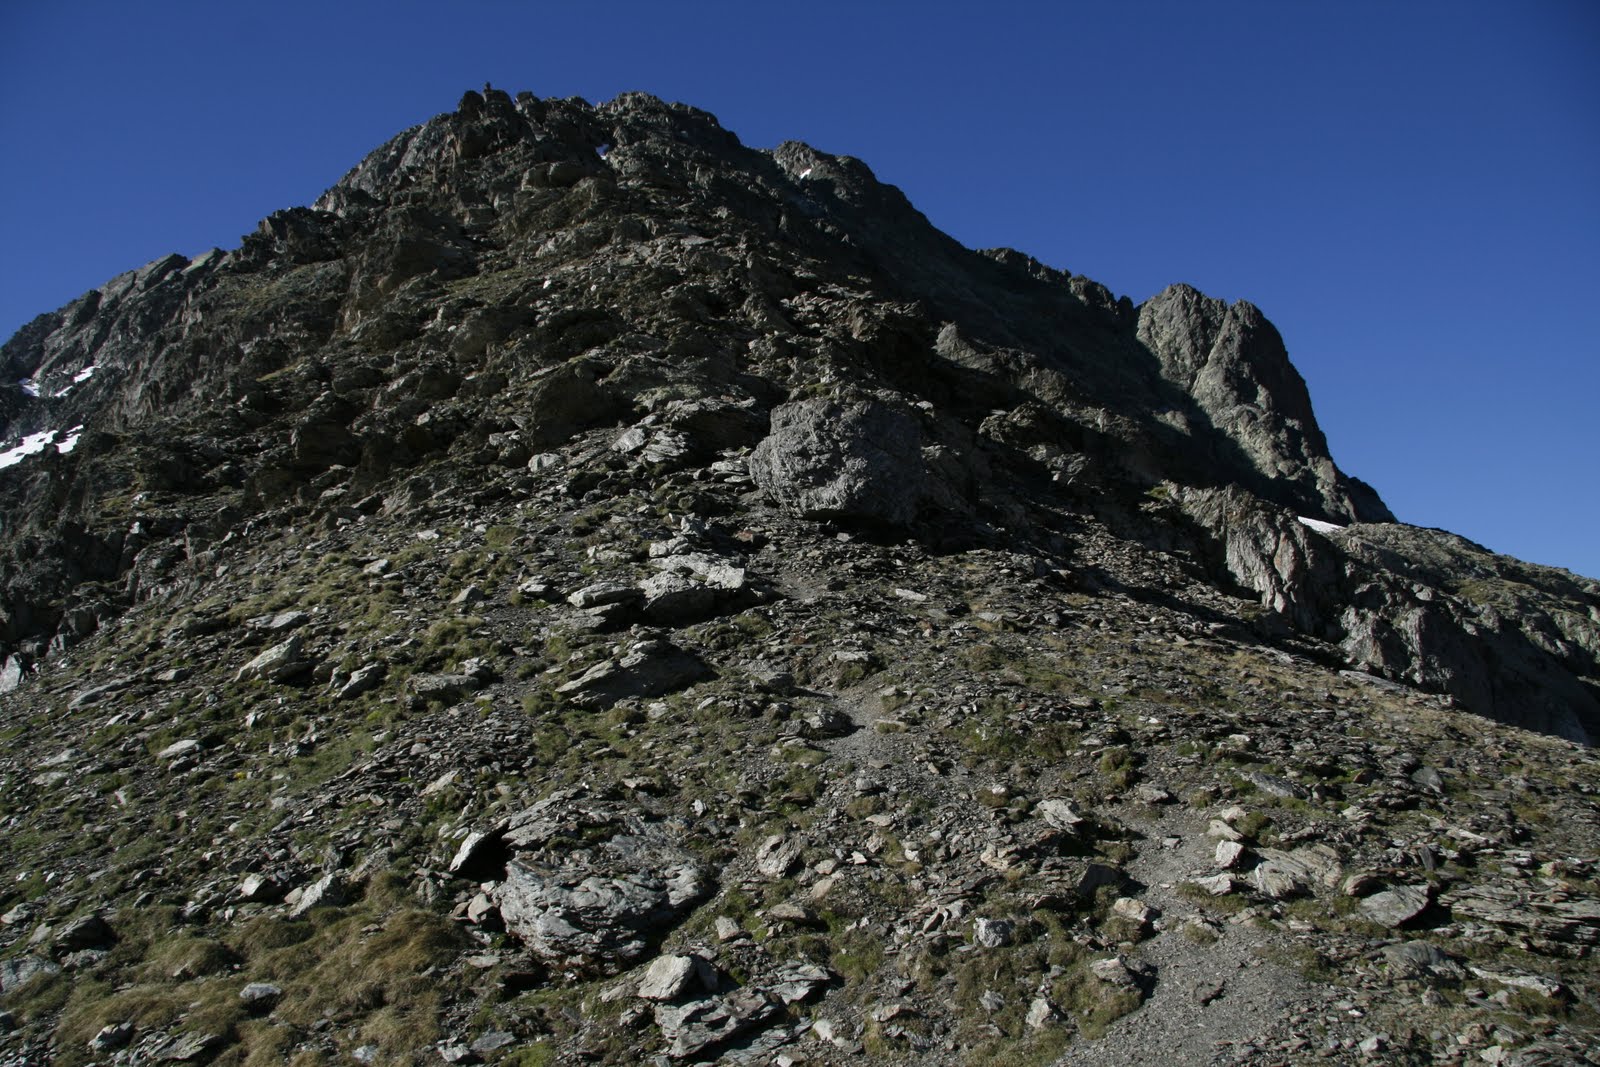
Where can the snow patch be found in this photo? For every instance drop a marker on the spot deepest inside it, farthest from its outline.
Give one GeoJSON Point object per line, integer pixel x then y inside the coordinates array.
{"type": "Point", "coordinates": [31, 444]}
{"type": "Point", "coordinates": [1320, 526]}
{"type": "Point", "coordinates": [84, 375]}
{"type": "Point", "coordinates": [806, 173]}
{"type": "Point", "coordinates": [27, 386]}
{"type": "Point", "coordinates": [71, 440]}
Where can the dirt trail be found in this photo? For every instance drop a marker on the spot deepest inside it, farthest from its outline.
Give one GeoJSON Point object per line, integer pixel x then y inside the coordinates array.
{"type": "Point", "coordinates": [1213, 1002]}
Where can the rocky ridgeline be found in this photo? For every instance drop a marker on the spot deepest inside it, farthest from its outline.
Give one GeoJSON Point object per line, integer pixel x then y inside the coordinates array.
{"type": "Point", "coordinates": [588, 591]}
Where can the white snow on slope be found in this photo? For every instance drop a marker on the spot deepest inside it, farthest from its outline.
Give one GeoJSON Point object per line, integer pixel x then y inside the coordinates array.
{"type": "Point", "coordinates": [34, 442]}
{"type": "Point", "coordinates": [1320, 526]}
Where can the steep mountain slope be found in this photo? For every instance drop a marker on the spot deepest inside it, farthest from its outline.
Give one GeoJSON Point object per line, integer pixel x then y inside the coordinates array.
{"type": "Point", "coordinates": [586, 589]}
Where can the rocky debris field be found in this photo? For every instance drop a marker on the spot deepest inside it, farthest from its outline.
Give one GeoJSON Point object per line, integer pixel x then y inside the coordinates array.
{"type": "Point", "coordinates": [480, 787]}
{"type": "Point", "coordinates": [587, 591]}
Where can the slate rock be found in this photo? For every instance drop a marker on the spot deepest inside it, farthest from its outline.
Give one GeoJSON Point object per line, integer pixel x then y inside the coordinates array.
{"type": "Point", "coordinates": [1396, 907]}
{"type": "Point", "coordinates": [648, 669]}
{"type": "Point", "coordinates": [280, 663]}
{"type": "Point", "coordinates": [697, 1028]}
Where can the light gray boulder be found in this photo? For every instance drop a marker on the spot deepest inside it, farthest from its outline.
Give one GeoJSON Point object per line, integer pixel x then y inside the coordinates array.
{"type": "Point", "coordinates": [852, 459]}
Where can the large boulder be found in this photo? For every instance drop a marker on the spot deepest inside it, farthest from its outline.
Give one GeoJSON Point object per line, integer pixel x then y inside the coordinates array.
{"type": "Point", "coordinates": [600, 909]}
{"type": "Point", "coordinates": [856, 459]}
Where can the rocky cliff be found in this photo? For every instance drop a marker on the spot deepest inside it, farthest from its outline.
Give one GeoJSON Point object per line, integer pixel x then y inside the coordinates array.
{"type": "Point", "coordinates": [588, 589]}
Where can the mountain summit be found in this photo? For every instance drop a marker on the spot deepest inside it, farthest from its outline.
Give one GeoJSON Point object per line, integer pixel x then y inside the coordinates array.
{"type": "Point", "coordinates": [586, 589]}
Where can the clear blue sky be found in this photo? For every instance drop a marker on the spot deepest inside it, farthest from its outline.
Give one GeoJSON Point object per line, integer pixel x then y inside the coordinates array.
{"type": "Point", "coordinates": [1411, 191]}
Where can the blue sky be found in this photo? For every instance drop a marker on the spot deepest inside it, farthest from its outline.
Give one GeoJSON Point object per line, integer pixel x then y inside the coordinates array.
{"type": "Point", "coordinates": [1410, 191]}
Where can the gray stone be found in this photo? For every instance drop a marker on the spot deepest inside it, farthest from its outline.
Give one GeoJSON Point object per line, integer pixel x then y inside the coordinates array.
{"type": "Point", "coordinates": [649, 668]}
{"type": "Point", "coordinates": [850, 459]}
{"type": "Point", "coordinates": [667, 977]}
{"type": "Point", "coordinates": [260, 996]}
{"type": "Point", "coordinates": [280, 663]}
{"type": "Point", "coordinates": [1396, 907]}
{"type": "Point", "coordinates": [993, 933]}
{"type": "Point", "coordinates": [597, 910]}
{"type": "Point", "coordinates": [697, 1028]}
{"type": "Point", "coordinates": [18, 971]}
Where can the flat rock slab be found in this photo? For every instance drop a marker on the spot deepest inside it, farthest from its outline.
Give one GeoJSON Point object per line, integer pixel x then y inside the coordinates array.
{"type": "Point", "coordinates": [1396, 907]}
{"type": "Point", "coordinates": [649, 669]}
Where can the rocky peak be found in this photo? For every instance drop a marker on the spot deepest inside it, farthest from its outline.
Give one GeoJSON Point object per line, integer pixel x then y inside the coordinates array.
{"type": "Point", "coordinates": [584, 556]}
{"type": "Point", "coordinates": [1233, 363]}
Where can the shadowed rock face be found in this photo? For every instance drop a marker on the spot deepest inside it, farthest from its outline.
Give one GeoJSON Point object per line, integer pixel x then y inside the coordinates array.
{"type": "Point", "coordinates": [584, 556]}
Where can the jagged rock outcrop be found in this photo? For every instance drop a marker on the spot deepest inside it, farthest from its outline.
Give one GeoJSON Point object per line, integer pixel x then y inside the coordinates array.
{"type": "Point", "coordinates": [589, 589]}
{"type": "Point", "coordinates": [1422, 606]}
{"type": "Point", "coordinates": [1232, 361]}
